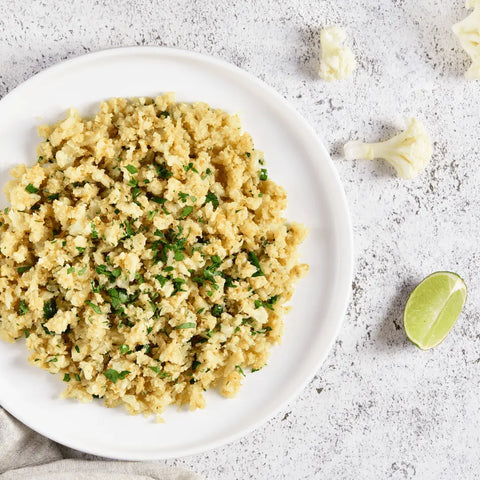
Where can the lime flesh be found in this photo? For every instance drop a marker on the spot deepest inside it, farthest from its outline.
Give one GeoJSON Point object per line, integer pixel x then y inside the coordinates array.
{"type": "Point", "coordinates": [433, 308]}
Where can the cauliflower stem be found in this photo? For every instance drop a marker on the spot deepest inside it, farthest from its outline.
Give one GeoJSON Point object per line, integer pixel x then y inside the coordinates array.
{"type": "Point", "coordinates": [408, 152]}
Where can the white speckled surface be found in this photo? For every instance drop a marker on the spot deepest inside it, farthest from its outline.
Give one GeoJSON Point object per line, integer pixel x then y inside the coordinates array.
{"type": "Point", "coordinates": [379, 408]}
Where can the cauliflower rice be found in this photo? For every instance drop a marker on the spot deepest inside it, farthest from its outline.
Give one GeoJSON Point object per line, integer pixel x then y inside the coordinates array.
{"type": "Point", "coordinates": [145, 257]}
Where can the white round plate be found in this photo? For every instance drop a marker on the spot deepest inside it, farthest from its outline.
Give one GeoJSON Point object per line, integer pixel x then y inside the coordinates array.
{"type": "Point", "coordinates": [295, 158]}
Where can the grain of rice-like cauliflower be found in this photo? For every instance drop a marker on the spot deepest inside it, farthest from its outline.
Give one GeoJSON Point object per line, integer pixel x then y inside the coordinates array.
{"type": "Point", "coordinates": [145, 257]}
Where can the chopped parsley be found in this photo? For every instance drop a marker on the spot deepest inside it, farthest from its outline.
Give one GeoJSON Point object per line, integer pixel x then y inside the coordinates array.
{"type": "Point", "coordinates": [163, 114]}
{"type": "Point", "coordinates": [124, 348]}
{"type": "Point", "coordinates": [159, 372]}
{"type": "Point", "coordinates": [183, 326]}
{"type": "Point", "coordinates": [185, 212]}
{"type": "Point", "coordinates": [132, 169]}
{"type": "Point", "coordinates": [24, 269]}
{"type": "Point", "coordinates": [190, 167]}
{"type": "Point", "coordinates": [80, 249]}
{"type": "Point", "coordinates": [183, 196]}
{"type": "Point", "coordinates": [238, 368]}
{"type": "Point", "coordinates": [49, 309]}
{"type": "Point", "coordinates": [119, 297]}
{"type": "Point", "coordinates": [66, 378]}
{"type": "Point", "coordinates": [23, 309]}
{"type": "Point", "coordinates": [268, 304]}
{"type": "Point", "coordinates": [213, 199]}
{"type": "Point", "coordinates": [94, 233]}
{"type": "Point", "coordinates": [135, 193]}
{"type": "Point", "coordinates": [217, 310]}
{"type": "Point", "coordinates": [31, 189]}
{"type": "Point", "coordinates": [112, 275]}
{"type": "Point", "coordinates": [53, 197]}
{"type": "Point", "coordinates": [114, 376]}
{"type": "Point", "coordinates": [26, 332]}
{"type": "Point", "coordinates": [163, 171]}
{"type": "Point", "coordinates": [253, 259]}
{"type": "Point", "coordinates": [77, 377]}
{"type": "Point", "coordinates": [95, 308]}
{"type": "Point", "coordinates": [263, 174]}
{"type": "Point", "coordinates": [169, 240]}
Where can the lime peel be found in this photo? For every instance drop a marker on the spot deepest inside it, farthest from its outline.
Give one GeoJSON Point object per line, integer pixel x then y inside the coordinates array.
{"type": "Point", "coordinates": [433, 307]}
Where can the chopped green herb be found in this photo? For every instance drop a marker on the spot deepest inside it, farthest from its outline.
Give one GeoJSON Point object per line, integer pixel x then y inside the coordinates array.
{"type": "Point", "coordinates": [53, 197]}
{"type": "Point", "coordinates": [163, 113]}
{"type": "Point", "coordinates": [190, 167]}
{"type": "Point", "coordinates": [31, 189]}
{"type": "Point", "coordinates": [268, 304]}
{"type": "Point", "coordinates": [77, 348]}
{"type": "Point", "coordinates": [49, 309]}
{"type": "Point", "coordinates": [124, 348]}
{"type": "Point", "coordinates": [132, 169]}
{"type": "Point", "coordinates": [118, 297]}
{"type": "Point", "coordinates": [253, 259]}
{"type": "Point", "coordinates": [211, 197]}
{"type": "Point", "coordinates": [162, 170]}
{"type": "Point", "coordinates": [94, 233]}
{"type": "Point", "coordinates": [95, 308]}
{"type": "Point", "coordinates": [70, 270]}
{"type": "Point", "coordinates": [183, 326]}
{"type": "Point", "coordinates": [217, 310]}
{"type": "Point", "coordinates": [24, 269]}
{"type": "Point", "coordinates": [66, 378]}
{"type": "Point", "coordinates": [200, 310]}
{"type": "Point", "coordinates": [247, 154]}
{"type": "Point", "coordinates": [185, 212]}
{"type": "Point", "coordinates": [26, 332]}
{"type": "Point", "coordinates": [80, 249]}
{"type": "Point", "coordinates": [183, 196]}
{"type": "Point", "coordinates": [161, 279]}
{"type": "Point", "coordinates": [77, 377]}
{"type": "Point", "coordinates": [132, 182]}
{"type": "Point", "coordinates": [158, 200]}
{"type": "Point", "coordinates": [239, 370]}
{"type": "Point", "coordinates": [82, 270]}
{"type": "Point", "coordinates": [263, 174]}
{"type": "Point", "coordinates": [23, 309]}
{"type": "Point", "coordinates": [114, 376]}
{"type": "Point", "coordinates": [52, 360]}
{"type": "Point", "coordinates": [195, 365]}
{"type": "Point", "coordinates": [112, 275]}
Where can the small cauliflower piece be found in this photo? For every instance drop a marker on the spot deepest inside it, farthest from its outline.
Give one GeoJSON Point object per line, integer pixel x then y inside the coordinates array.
{"type": "Point", "coordinates": [337, 61]}
{"type": "Point", "coordinates": [468, 33]}
{"type": "Point", "coordinates": [409, 152]}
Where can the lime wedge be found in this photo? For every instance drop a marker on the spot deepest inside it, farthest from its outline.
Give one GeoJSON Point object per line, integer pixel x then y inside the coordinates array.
{"type": "Point", "coordinates": [433, 307]}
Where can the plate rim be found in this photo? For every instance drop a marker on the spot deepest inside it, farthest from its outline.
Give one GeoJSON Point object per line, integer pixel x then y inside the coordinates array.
{"type": "Point", "coordinates": [344, 226]}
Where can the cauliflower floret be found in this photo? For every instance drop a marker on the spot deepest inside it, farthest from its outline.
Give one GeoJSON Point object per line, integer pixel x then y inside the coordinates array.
{"type": "Point", "coordinates": [468, 32]}
{"type": "Point", "coordinates": [409, 152]}
{"type": "Point", "coordinates": [338, 61]}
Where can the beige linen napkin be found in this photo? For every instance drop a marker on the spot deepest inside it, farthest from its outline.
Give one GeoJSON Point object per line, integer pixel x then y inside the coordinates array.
{"type": "Point", "coordinates": [26, 455]}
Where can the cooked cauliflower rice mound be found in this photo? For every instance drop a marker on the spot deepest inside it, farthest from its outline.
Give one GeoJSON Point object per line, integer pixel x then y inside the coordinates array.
{"type": "Point", "coordinates": [145, 257]}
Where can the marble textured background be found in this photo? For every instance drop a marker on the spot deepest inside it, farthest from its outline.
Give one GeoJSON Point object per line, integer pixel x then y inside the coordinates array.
{"type": "Point", "coordinates": [379, 407]}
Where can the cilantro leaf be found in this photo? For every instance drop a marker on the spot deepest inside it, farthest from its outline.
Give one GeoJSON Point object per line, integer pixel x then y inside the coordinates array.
{"type": "Point", "coordinates": [114, 376]}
